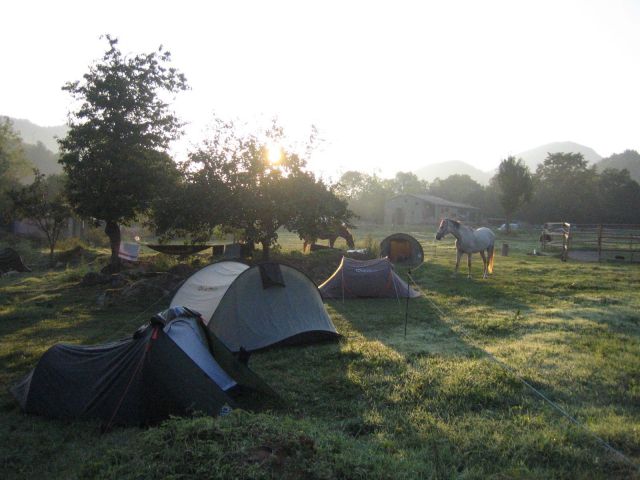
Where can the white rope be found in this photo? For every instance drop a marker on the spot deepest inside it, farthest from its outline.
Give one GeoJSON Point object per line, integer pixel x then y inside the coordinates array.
{"type": "Point", "coordinates": [513, 372]}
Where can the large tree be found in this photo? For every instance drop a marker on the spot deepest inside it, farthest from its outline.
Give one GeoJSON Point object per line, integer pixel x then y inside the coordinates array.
{"type": "Point", "coordinates": [43, 203]}
{"type": "Point", "coordinates": [248, 183]}
{"type": "Point", "coordinates": [515, 186]}
{"type": "Point", "coordinates": [565, 190]}
{"type": "Point", "coordinates": [618, 197]}
{"type": "Point", "coordinates": [407, 183]}
{"type": "Point", "coordinates": [365, 194]}
{"type": "Point", "coordinates": [115, 151]}
{"type": "Point", "coordinates": [457, 188]}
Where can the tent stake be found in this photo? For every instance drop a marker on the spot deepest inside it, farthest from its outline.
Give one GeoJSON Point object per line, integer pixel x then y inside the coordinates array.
{"type": "Point", "coordinates": [406, 308]}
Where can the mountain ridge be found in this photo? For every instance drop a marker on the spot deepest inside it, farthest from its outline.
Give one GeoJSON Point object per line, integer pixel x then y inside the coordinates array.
{"type": "Point", "coordinates": [532, 158]}
{"type": "Point", "coordinates": [33, 133]}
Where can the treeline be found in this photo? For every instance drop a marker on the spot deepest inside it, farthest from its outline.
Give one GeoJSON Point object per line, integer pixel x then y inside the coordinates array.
{"type": "Point", "coordinates": [563, 188]}
{"type": "Point", "coordinates": [117, 167]}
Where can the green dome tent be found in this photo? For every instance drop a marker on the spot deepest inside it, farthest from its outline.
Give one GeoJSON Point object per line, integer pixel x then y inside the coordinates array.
{"type": "Point", "coordinates": [257, 307]}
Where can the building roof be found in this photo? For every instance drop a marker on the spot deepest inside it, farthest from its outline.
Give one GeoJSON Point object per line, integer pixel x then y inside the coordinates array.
{"type": "Point", "coordinates": [437, 200]}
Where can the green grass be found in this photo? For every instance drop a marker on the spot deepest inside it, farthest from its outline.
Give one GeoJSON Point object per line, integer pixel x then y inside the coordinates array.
{"type": "Point", "coordinates": [377, 404]}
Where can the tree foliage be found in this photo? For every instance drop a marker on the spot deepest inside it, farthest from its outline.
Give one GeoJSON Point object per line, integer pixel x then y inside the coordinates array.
{"type": "Point", "coordinates": [457, 188]}
{"type": "Point", "coordinates": [565, 189]}
{"type": "Point", "coordinates": [627, 160]}
{"type": "Point", "coordinates": [241, 188]}
{"type": "Point", "coordinates": [115, 150]}
{"type": "Point", "coordinates": [43, 203]}
{"type": "Point", "coordinates": [365, 194]}
{"type": "Point", "coordinates": [13, 165]}
{"type": "Point", "coordinates": [42, 158]}
{"type": "Point", "coordinates": [407, 183]}
{"type": "Point", "coordinates": [618, 197]}
{"type": "Point", "coordinates": [516, 186]}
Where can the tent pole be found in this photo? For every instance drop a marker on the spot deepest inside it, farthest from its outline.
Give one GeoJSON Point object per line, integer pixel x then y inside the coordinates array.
{"type": "Point", "coordinates": [406, 308]}
{"type": "Point", "coordinates": [342, 273]}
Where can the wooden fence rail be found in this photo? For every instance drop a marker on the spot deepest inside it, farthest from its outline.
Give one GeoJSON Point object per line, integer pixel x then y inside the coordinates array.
{"type": "Point", "coordinates": [609, 242]}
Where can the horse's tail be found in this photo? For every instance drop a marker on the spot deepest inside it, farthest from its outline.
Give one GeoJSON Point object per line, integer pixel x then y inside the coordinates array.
{"type": "Point", "coordinates": [490, 251]}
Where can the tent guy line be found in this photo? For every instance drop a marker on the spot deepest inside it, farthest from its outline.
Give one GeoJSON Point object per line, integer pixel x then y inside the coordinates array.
{"type": "Point", "coordinates": [521, 379]}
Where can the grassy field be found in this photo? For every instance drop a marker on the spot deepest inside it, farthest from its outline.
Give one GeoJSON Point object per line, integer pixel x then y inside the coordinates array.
{"type": "Point", "coordinates": [378, 404]}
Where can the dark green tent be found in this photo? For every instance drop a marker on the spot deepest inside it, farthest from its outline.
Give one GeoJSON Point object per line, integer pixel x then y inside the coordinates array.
{"type": "Point", "coordinates": [171, 366]}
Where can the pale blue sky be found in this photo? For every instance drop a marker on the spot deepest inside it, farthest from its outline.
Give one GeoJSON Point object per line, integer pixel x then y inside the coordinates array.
{"type": "Point", "coordinates": [391, 85]}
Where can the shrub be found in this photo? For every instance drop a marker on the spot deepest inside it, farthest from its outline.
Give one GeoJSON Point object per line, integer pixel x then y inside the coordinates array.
{"type": "Point", "coordinates": [70, 243]}
{"type": "Point", "coordinates": [96, 237]}
{"type": "Point", "coordinates": [372, 246]}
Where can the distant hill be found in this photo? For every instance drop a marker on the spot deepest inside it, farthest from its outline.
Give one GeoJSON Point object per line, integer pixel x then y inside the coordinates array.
{"type": "Point", "coordinates": [629, 159]}
{"type": "Point", "coordinates": [445, 169]}
{"type": "Point", "coordinates": [537, 155]}
{"type": "Point", "coordinates": [32, 133]}
{"type": "Point", "coordinates": [42, 158]}
{"type": "Point", "coordinates": [532, 158]}
{"type": "Point", "coordinates": [40, 146]}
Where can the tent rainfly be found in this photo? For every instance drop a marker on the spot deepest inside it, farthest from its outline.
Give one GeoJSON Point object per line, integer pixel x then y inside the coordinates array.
{"type": "Point", "coordinates": [402, 249]}
{"type": "Point", "coordinates": [257, 307]}
{"type": "Point", "coordinates": [366, 279]}
{"type": "Point", "coordinates": [170, 366]}
{"type": "Point", "coordinates": [11, 260]}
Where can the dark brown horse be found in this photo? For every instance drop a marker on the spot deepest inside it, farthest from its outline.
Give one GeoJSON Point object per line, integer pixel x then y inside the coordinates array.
{"type": "Point", "coordinates": [331, 233]}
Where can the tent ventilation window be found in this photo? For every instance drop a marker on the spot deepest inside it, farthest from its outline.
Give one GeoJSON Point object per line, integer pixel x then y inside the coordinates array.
{"type": "Point", "coordinates": [271, 275]}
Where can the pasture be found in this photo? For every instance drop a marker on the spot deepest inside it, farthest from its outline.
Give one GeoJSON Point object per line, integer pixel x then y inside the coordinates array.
{"type": "Point", "coordinates": [378, 404]}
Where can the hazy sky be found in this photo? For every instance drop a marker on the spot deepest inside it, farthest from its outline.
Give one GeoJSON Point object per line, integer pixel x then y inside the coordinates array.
{"type": "Point", "coordinates": [391, 85]}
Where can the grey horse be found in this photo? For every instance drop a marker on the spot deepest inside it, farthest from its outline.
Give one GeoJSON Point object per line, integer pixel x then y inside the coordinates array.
{"type": "Point", "coordinates": [469, 241]}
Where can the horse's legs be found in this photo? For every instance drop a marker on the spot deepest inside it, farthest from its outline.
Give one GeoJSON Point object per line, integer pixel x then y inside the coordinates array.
{"type": "Point", "coordinates": [484, 264]}
{"type": "Point", "coordinates": [469, 264]}
{"type": "Point", "coordinates": [458, 257]}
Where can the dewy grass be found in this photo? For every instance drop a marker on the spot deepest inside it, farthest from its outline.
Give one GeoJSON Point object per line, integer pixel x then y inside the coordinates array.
{"type": "Point", "coordinates": [376, 404]}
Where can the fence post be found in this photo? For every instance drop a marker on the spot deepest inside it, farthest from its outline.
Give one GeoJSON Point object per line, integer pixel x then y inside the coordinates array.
{"type": "Point", "coordinates": [566, 237]}
{"type": "Point", "coordinates": [599, 242]}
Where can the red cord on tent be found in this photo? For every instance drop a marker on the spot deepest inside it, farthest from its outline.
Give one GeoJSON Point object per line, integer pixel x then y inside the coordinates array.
{"type": "Point", "coordinates": [154, 336]}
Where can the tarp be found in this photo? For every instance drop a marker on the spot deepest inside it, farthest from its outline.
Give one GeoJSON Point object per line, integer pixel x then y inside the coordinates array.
{"type": "Point", "coordinates": [129, 251]}
{"type": "Point", "coordinates": [366, 279]}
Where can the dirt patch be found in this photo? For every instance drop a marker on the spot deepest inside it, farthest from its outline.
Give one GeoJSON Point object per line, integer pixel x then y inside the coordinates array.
{"type": "Point", "coordinates": [141, 286]}
{"type": "Point", "coordinates": [285, 458]}
{"type": "Point", "coordinates": [583, 255]}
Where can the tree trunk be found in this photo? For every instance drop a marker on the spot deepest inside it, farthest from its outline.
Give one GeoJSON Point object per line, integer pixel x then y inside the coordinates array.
{"type": "Point", "coordinates": [51, 249]}
{"type": "Point", "coordinates": [112, 229]}
{"type": "Point", "coordinates": [265, 251]}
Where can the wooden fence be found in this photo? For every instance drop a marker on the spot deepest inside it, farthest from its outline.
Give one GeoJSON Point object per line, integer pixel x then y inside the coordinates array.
{"type": "Point", "coordinates": [593, 241]}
